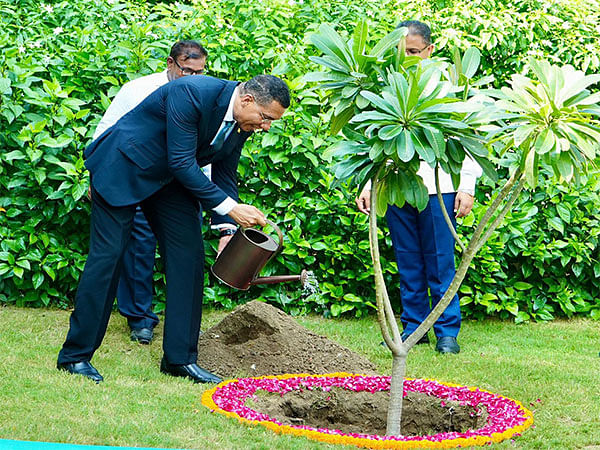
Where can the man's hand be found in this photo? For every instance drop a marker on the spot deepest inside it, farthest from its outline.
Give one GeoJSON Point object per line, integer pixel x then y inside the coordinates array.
{"type": "Point", "coordinates": [223, 242]}
{"type": "Point", "coordinates": [247, 215]}
{"type": "Point", "coordinates": [463, 204]}
{"type": "Point", "coordinates": [363, 201]}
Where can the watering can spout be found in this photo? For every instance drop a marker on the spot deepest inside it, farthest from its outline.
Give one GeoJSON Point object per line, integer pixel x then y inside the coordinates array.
{"type": "Point", "coordinates": [281, 279]}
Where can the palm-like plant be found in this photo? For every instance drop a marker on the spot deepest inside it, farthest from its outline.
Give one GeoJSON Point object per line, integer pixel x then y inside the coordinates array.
{"type": "Point", "coordinates": [395, 111]}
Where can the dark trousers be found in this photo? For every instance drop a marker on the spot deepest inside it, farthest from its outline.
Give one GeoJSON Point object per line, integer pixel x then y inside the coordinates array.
{"type": "Point", "coordinates": [173, 215]}
{"type": "Point", "coordinates": [134, 293]}
{"type": "Point", "coordinates": [424, 249]}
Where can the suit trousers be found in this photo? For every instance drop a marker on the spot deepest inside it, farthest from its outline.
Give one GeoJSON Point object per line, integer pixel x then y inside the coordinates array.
{"type": "Point", "coordinates": [134, 293]}
{"type": "Point", "coordinates": [424, 248]}
{"type": "Point", "coordinates": [173, 214]}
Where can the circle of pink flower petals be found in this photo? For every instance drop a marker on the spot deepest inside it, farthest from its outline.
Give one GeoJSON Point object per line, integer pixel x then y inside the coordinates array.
{"type": "Point", "coordinates": [503, 413]}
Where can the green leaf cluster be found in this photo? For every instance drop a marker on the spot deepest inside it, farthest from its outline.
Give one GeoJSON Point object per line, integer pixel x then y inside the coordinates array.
{"type": "Point", "coordinates": [410, 111]}
{"type": "Point", "coordinates": [62, 63]}
{"type": "Point", "coordinates": [544, 261]}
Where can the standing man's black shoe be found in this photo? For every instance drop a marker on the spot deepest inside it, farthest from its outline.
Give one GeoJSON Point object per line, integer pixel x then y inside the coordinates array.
{"type": "Point", "coordinates": [447, 344]}
{"type": "Point", "coordinates": [142, 335]}
{"type": "Point", "coordinates": [192, 371]}
{"type": "Point", "coordinates": [84, 368]}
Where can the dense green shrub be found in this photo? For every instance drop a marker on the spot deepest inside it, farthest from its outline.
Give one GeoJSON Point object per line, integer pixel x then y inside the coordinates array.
{"type": "Point", "coordinates": [63, 63]}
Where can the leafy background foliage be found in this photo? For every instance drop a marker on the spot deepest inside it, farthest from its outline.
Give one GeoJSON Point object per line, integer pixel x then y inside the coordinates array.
{"type": "Point", "coordinates": [63, 63]}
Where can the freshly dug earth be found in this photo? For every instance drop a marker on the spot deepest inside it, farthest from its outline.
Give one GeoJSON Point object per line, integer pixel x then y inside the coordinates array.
{"type": "Point", "coordinates": [258, 339]}
{"type": "Point", "coordinates": [365, 412]}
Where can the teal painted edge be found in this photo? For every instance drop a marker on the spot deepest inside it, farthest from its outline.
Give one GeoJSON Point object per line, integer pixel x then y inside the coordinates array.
{"type": "Point", "coordinates": [32, 445]}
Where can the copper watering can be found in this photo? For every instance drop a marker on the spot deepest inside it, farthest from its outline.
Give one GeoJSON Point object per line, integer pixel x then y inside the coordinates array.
{"type": "Point", "coordinates": [244, 257]}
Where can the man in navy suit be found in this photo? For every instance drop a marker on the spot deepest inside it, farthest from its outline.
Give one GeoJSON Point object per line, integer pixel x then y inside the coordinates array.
{"type": "Point", "coordinates": [152, 157]}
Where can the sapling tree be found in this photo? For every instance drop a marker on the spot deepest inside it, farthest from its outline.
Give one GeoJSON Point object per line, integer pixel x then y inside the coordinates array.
{"type": "Point", "coordinates": [393, 111]}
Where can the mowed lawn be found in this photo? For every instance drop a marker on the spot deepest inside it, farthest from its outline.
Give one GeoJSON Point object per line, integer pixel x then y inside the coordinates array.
{"type": "Point", "coordinates": [552, 368]}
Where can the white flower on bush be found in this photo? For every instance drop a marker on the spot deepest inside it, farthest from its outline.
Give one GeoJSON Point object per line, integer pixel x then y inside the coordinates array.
{"type": "Point", "coordinates": [48, 8]}
{"type": "Point", "coordinates": [46, 60]}
{"type": "Point", "coordinates": [123, 26]}
{"type": "Point", "coordinates": [58, 30]}
{"type": "Point", "coordinates": [22, 49]}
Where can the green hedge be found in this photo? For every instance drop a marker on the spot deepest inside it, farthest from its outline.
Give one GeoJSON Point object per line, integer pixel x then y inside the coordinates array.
{"type": "Point", "coordinates": [63, 63]}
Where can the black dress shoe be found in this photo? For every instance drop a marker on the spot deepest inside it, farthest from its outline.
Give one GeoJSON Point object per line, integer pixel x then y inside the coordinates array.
{"type": "Point", "coordinates": [142, 335]}
{"type": "Point", "coordinates": [447, 344]}
{"type": "Point", "coordinates": [84, 368]}
{"type": "Point", "coordinates": [192, 371]}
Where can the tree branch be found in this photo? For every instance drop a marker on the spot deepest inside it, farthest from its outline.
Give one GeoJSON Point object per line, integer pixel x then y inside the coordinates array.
{"type": "Point", "coordinates": [444, 210]}
{"type": "Point", "coordinates": [385, 313]}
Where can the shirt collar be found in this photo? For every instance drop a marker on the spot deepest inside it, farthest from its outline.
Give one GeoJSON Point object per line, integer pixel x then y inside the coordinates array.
{"type": "Point", "coordinates": [229, 114]}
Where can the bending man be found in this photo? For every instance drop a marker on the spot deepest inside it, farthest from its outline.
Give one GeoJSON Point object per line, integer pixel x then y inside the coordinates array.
{"type": "Point", "coordinates": [152, 157]}
{"type": "Point", "coordinates": [134, 293]}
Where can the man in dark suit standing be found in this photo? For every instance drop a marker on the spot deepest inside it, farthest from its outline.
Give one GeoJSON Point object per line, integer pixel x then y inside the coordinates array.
{"type": "Point", "coordinates": [152, 157]}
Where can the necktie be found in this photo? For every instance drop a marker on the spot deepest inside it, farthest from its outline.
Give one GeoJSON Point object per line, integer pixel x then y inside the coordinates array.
{"type": "Point", "coordinates": [222, 135]}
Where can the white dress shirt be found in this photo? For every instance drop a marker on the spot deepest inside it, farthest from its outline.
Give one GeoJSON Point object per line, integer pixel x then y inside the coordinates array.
{"type": "Point", "coordinates": [129, 96]}
{"type": "Point", "coordinates": [469, 173]}
{"type": "Point", "coordinates": [228, 204]}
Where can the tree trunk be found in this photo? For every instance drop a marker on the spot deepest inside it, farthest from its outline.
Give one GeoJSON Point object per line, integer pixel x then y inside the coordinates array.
{"type": "Point", "coordinates": [386, 319]}
{"type": "Point", "coordinates": [394, 416]}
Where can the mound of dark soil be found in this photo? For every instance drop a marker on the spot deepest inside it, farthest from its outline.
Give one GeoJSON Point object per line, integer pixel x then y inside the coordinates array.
{"type": "Point", "coordinates": [259, 339]}
{"type": "Point", "coordinates": [365, 412]}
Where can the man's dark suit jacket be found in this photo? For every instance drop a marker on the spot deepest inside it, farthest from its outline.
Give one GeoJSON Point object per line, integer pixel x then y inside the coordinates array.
{"type": "Point", "coordinates": [168, 137]}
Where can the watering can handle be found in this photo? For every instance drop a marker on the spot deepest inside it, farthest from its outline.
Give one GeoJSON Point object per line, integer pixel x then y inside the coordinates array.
{"type": "Point", "coordinates": [276, 228]}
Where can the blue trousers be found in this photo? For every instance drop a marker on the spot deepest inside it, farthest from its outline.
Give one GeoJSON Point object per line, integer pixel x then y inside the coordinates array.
{"type": "Point", "coordinates": [134, 293]}
{"type": "Point", "coordinates": [424, 249]}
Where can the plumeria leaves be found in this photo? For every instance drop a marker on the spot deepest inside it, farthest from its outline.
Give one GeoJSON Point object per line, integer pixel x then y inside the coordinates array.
{"type": "Point", "coordinates": [406, 110]}
{"type": "Point", "coordinates": [550, 122]}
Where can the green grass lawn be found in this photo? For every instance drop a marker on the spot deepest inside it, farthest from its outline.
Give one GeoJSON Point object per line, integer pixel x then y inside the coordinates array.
{"type": "Point", "coordinates": [552, 368]}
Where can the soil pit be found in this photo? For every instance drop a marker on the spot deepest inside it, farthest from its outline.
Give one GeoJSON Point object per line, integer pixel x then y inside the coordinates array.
{"type": "Point", "coordinates": [258, 339]}
{"type": "Point", "coordinates": [365, 412]}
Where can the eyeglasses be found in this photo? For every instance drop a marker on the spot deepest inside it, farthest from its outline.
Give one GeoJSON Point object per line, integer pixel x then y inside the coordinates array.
{"type": "Point", "coordinates": [187, 70]}
{"type": "Point", "coordinates": [265, 119]}
{"type": "Point", "coordinates": [415, 51]}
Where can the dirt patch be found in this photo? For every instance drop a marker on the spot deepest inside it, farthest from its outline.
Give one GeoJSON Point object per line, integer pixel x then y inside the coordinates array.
{"type": "Point", "coordinates": [259, 339]}
{"type": "Point", "coordinates": [365, 412]}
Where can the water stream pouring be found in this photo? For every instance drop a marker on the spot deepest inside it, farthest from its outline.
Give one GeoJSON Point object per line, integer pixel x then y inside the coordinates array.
{"type": "Point", "coordinates": [244, 257]}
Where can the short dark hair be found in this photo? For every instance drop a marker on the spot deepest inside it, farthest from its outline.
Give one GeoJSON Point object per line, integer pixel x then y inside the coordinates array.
{"type": "Point", "coordinates": [419, 28]}
{"type": "Point", "coordinates": [267, 88]}
{"type": "Point", "coordinates": [188, 49]}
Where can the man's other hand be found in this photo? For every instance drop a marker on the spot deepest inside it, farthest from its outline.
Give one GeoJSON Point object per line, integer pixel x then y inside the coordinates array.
{"type": "Point", "coordinates": [463, 204]}
{"type": "Point", "coordinates": [223, 242]}
{"type": "Point", "coordinates": [247, 215]}
{"type": "Point", "coordinates": [363, 201]}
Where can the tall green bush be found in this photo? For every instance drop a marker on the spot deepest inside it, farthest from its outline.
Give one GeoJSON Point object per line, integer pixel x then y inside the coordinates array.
{"type": "Point", "coordinates": [62, 64]}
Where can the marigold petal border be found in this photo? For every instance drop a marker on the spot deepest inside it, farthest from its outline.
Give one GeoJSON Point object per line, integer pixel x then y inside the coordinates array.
{"type": "Point", "coordinates": [506, 417]}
